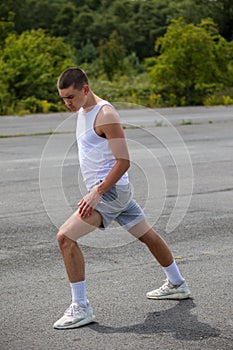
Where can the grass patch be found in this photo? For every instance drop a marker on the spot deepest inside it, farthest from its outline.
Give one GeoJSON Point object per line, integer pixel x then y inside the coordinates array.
{"type": "Point", "coordinates": [36, 134]}
{"type": "Point", "coordinates": [186, 122]}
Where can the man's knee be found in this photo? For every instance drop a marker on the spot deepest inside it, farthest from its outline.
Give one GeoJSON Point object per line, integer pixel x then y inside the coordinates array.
{"type": "Point", "coordinates": [63, 241]}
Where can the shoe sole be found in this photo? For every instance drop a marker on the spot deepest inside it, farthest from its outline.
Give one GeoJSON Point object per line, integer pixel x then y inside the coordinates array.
{"type": "Point", "coordinates": [81, 323]}
{"type": "Point", "coordinates": [178, 296]}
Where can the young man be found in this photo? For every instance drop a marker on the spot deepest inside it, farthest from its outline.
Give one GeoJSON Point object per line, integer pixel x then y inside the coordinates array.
{"type": "Point", "coordinates": [104, 161]}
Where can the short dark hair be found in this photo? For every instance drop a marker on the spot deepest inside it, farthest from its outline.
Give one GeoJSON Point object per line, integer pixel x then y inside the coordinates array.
{"type": "Point", "coordinates": [75, 77]}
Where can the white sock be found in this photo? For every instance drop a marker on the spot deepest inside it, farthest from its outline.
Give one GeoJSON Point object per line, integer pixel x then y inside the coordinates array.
{"type": "Point", "coordinates": [78, 291]}
{"type": "Point", "coordinates": [173, 274]}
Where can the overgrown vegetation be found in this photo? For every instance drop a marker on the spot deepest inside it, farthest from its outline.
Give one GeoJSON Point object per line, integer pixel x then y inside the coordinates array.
{"type": "Point", "coordinates": [152, 53]}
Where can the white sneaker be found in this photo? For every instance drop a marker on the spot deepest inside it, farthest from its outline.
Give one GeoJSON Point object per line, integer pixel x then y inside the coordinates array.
{"type": "Point", "coordinates": [75, 316]}
{"type": "Point", "coordinates": [169, 291]}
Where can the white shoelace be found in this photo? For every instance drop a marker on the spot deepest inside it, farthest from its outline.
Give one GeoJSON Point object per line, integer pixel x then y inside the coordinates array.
{"type": "Point", "coordinates": [72, 309]}
{"type": "Point", "coordinates": [165, 286]}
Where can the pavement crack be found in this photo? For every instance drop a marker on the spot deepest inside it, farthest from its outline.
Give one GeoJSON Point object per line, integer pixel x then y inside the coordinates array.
{"type": "Point", "coordinates": [228, 189]}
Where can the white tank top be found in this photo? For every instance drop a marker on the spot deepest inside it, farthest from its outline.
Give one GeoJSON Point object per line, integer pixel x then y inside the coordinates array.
{"type": "Point", "coordinates": [95, 156]}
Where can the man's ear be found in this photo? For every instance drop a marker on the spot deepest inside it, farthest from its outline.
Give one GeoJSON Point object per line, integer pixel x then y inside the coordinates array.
{"type": "Point", "coordinates": [86, 89]}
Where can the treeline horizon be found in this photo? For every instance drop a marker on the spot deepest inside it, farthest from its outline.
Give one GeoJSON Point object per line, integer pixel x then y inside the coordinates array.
{"type": "Point", "coordinates": [142, 52]}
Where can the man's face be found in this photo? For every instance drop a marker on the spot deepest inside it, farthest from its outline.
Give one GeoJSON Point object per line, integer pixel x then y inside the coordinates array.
{"type": "Point", "coordinates": [74, 99]}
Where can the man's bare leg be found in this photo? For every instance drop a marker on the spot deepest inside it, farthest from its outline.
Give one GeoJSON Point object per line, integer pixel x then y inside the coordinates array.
{"type": "Point", "coordinates": [79, 312]}
{"type": "Point", "coordinates": [72, 257]}
{"type": "Point", "coordinates": [158, 247]}
{"type": "Point", "coordinates": [72, 230]}
{"type": "Point", "coordinates": [156, 244]}
{"type": "Point", "coordinates": [175, 286]}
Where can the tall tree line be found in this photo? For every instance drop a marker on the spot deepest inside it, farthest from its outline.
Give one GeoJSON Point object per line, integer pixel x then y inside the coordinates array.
{"type": "Point", "coordinates": [148, 52]}
{"type": "Point", "coordinates": [139, 23]}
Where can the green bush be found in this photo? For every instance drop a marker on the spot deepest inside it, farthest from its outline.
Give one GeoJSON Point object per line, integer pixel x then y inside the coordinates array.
{"type": "Point", "coordinates": [193, 62]}
{"type": "Point", "coordinates": [30, 64]}
{"type": "Point", "coordinates": [31, 104]}
{"type": "Point", "coordinates": [215, 100]}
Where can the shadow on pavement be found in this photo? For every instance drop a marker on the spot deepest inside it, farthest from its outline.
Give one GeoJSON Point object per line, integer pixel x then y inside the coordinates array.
{"type": "Point", "coordinates": [178, 321]}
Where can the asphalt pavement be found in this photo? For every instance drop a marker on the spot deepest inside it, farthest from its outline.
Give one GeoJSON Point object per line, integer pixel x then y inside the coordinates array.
{"type": "Point", "coordinates": [181, 173]}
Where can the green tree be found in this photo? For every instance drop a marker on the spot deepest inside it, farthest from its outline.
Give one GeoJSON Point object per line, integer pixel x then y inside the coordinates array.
{"type": "Point", "coordinates": [193, 60]}
{"type": "Point", "coordinates": [61, 24]}
{"type": "Point", "coordinates": [220, 10]}
{"type": "Point", "coordinates": [87, 53]}
{"type": "Point", "coordinates": [81, 27]}
{"type": "Point", "coordinates": [150, 22]}
{"type": "Point", "coordinates": [138, 22]}
{"type": "Point", "coordinates": [6, 26]}
{"type": "Point", "coordinates": [30, 64]}
{"type": "Point", "coordinates": [112, 53]}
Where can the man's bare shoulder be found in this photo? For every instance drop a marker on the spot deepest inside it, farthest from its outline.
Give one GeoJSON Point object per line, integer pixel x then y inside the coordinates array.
{"type": "Point", "coordinates": [108, 123]}
{"type": "Point", "coordinates": [108, 115]}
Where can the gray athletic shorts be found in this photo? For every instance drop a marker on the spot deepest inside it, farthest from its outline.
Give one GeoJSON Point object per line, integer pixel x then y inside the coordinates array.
{"type": "Point", "coordinates": [117, 204]}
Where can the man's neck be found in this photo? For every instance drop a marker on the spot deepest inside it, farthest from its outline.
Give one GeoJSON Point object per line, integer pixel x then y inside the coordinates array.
{"type": "Point", "coordinates": [91, 101]}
